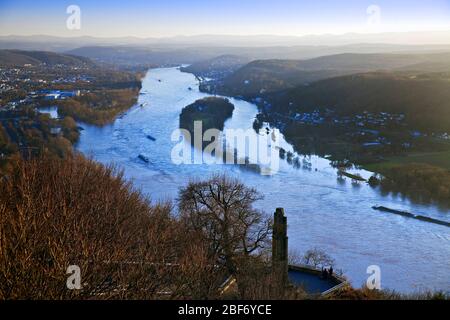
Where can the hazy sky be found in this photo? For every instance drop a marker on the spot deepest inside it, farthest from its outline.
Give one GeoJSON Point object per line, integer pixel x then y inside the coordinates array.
{"type": "Point", "coordinates": [152, 18]}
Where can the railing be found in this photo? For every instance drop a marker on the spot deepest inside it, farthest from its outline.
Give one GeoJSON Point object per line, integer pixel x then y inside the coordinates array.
{"type": "Point", "coordinates": [342, 282]}
{"type": "Point", "coordinates": [335, 288]}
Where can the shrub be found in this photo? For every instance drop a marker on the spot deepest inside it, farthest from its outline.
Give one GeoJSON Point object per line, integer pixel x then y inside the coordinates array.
{"type": "Point", "coordinates": [55, 213]}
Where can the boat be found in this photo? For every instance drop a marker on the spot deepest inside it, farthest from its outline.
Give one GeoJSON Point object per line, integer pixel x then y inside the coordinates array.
{"type": "Point", "coordinates": [412, 216]}
{"type": "Point", "coordinates": [144, 158]}
{"type": "Point", "coordinates": [354, 177]}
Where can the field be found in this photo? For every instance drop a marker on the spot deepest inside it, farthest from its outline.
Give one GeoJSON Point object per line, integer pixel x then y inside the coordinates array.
{"type": "Point", "coordinates": [438, 159]}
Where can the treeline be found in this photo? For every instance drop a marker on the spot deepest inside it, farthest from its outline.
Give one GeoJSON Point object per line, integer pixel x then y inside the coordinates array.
{"type": "Point", "coordinates": [12, 95]}
{"type": "Point", "coordinates": [211, 111]}
{"type": "Point", "coordinates": [420, 182]}
{"type": "Point", "coordinates": [110, 93]}
{"type": "Point", "coordinates": [27, 133]}
{"type": "Point", "coordinates": [99, 107]}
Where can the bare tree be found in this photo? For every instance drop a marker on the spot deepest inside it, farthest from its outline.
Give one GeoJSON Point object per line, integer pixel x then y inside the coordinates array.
{"type": "Point", "coordinates": [55, 213]}
{"type": "Point", "coordinates": [317, 258]}
{"type": "Point", "coordinates": [221, 209]}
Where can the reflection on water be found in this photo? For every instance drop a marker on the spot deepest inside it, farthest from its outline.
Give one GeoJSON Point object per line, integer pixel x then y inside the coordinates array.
{"type": "Point", "coordinates": [324, 210]}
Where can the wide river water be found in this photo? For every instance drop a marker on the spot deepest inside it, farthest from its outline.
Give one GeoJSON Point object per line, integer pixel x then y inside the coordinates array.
{"type": "Point", "coordinates": [334, 215]}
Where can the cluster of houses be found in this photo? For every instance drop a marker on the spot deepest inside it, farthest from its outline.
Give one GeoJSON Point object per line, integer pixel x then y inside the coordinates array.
{"type": "Point", "coordinates": [30, 78]}
{"type": "Point", "coordinates": [12, 105]}
{"type": "Point", "coordinates": [73, 79]}
{"type": "Point", "coordinates": [443, 136]}
{"type": "Point", "coordinates": [15, 76]}
{"type": "Point", "coordinates": [47, 95]}
{"type": "Point", "coordinates": [313, 117]}
{"type": "Point", "coordinates": [5, 87]}
{"type": "Point", "coordinates": [378, 119]}
{"type": "Point", "coordinates": [365, 120]}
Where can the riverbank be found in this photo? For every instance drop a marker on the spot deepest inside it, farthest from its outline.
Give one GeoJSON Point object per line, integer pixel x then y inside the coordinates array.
{"type": "Point", "coordinates": [211, 111]}
{"type": "Point", "coordinates": [101, 107]}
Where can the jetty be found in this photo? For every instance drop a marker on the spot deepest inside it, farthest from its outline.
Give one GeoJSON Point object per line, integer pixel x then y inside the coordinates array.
{"type": "Point", "coordinates": [412, 216]}
{"type": "Point", "coordinates": [354, 177]}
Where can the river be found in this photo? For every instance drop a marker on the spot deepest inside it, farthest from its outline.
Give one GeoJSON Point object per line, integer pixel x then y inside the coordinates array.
{"type": "Point", "coordinates": [334, 215]}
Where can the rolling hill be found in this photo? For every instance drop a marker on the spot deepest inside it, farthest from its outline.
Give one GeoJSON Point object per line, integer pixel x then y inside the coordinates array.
{"type": "Point", "coordinates": [217, 67]}
{"type": "Point", "coordinates": [275, 75]}
{"type": "Point", "coordinates": [20, 58]}
{"type": "Point", "coordinates": [132, 56]}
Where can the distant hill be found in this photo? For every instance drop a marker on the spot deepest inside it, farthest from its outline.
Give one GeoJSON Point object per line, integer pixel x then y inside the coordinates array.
{"type": "Point", "coordinates": [217, 67]}
{"type": "Point", "coordinates": [272, 75]}
{"type": "Point", "coordinates": [167, 54]}
{"type": "Point", "coordinates": [438, 62]}
{"type": "Point", "coordinates": [132, 56]}
{"type": "Point", "coordinates": [391, 40]}
{"type": "Point", "coordinates": [275, 75]}
{"type": "Point", "coordinates": [20, 58]}
{"type": "Point", "coordinates": [385, 61]}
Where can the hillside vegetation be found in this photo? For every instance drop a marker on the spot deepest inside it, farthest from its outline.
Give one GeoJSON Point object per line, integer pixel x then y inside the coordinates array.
{"type": "Point", "coordinates": [211, 111]}
{"type": "Point", "coordinates": [56, 213]}
{"type": "Point", "coordinates": [100, 107]}
{"type": "Point", "coordinates": [20, 58]}
{"type": "Point", "coordinates": [425, 103]}
{"type": "Point", "coordinates": [218, 67]}
{"type": "Point", "coordinates": [75, 212]}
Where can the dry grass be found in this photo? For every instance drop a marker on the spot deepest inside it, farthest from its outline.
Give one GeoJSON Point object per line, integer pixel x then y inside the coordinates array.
{"type": "Point", "coordinates": [349, 293]}
{"type": "Point", "coordinates": [56, 213]}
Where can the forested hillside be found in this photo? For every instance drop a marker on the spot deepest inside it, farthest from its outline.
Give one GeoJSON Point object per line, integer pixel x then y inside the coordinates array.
{"type": "Point", "coordinates": [19, 58]}
{"type": "Point", "coordinates": [424, 102]}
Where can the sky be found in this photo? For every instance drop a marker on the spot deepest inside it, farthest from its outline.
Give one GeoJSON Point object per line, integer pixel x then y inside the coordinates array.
{"type": "Point", "coordinates": [156, 18]}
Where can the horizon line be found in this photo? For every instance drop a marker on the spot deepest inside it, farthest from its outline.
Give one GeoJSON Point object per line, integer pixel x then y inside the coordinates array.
{"type": "Point", "coordinates": [225, 35]}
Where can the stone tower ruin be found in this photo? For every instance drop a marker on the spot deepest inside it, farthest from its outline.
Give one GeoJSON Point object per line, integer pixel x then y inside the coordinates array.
{"type": "Point", "coordinates": [280, 246]}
